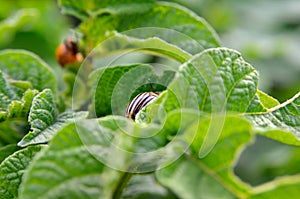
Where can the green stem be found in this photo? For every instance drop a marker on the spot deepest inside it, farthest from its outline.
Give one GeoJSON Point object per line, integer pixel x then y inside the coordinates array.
{"type": "Point", "coordinates": [121, 185]}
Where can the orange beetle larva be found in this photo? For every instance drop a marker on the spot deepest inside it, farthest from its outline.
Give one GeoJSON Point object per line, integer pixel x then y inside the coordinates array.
{"type": "Point", "coordinates": [68, 53]}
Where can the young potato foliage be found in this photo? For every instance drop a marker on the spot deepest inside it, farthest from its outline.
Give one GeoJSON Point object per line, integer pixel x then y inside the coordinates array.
{"type": "Point", "coordinates": [78, 143]}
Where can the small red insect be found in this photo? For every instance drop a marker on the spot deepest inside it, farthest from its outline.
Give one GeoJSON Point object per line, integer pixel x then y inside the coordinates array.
{"type": "Point", "coordinates": [68, 53]}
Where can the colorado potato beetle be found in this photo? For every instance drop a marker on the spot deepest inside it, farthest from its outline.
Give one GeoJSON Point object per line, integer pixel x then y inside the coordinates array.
{"type": "Point", "coordinates": [68, 53]}
{"type": "Point", "coordinates": [139, 102]}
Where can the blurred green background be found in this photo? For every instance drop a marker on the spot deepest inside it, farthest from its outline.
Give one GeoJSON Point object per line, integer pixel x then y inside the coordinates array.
{"type": "Point", "coordinates": [34, 25]}
{"type": "Point", "coordinates": [266, 32]}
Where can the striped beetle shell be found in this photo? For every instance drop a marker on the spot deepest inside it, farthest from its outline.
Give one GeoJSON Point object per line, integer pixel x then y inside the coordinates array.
{"type": "Point", "coordinates": [139, 102]}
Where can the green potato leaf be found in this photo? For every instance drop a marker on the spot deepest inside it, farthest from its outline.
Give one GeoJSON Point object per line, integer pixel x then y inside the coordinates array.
{"type": "Point", "coordinates": [119, 43]}
{"type": "Point", "coordinates": [215, 80]}
{"type": "Point", "coordinates": [26, 66]}
{"type": "Point", "coordinates": [6, 93]}
{"type": "Point", "coordinates": [45, 120]}
{"type": "Point", "coordinates": [167, 21]}
{"type": "Point", "coordinates": [12, 170]}
{"type": "Point", "coordinates": [67, 169]}
{"type": "Point", "coordinates": [146, 187]}
{"type": "Point", "coordinates": [13, 106]}
{"type": "Point", "coordinates": [210, 176]}
{"type": "Point", "coordinates": [281, 122]}
{"type": "Point", "coordinates": [20, 109]}
{"type": "Point", "coordinates": [82, 9]}
{"type": "Point", "coordinates": [115, 86]}
{"type": "Point", "coordinates": [83, 161]}
{"type": "Point", "coordinates": [278, 188]}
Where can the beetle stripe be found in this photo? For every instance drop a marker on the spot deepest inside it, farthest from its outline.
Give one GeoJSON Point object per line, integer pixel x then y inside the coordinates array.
{"type": "Point", "coordinates": [134, 103]}
{"type": "Point", "coordinates": [144, 100]}
{"type": "Point", "coordinates": [139, 102]}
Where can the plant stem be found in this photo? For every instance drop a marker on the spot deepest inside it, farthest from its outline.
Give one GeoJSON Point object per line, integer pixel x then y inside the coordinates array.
{"type": "Point", "coordinates": [121, 185]}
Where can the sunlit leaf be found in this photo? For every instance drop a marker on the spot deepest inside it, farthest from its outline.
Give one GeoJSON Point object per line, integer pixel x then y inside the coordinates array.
{"type": "Point", "coordinates": [281, 122]}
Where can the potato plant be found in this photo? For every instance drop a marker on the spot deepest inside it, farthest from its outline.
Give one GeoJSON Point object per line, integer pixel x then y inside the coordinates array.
{"type": "Point", "coordinates": [77, 143]}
